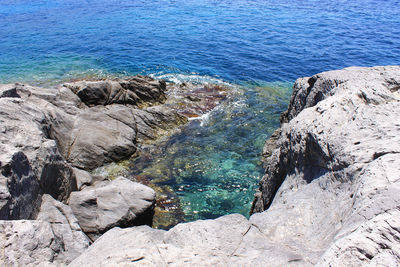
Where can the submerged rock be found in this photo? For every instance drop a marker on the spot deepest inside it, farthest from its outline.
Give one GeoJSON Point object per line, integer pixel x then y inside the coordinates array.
{"type": "Point", "coordinates": [193, 100]}
{"type": "Point", "coordinates": [109, 204]}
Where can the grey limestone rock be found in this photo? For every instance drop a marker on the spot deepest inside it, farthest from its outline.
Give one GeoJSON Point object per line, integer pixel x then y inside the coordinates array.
{"type": "Point", "coordinates": [83, 178]}
{"type": "Point", "coordinates": [54, 238]}
{"type": "Point", "coordinates": [20, 191]}
{"type": "Point", "coordinates": [227, 241]}
{"type": "Point", "coordinates": [45, 131]}
{"type": "Point", "coordinates": [28, 243]}
{"type": "Point", "coordinates": [157, 117]}
{"type": "Point", "coordinates": [30, 163]}
{"type": "Point", "coordinates": [96, 138]}
{"type": "Point", "coordinates": [57, 177]}
{"type": "Point", "coordinates": [334, 170]}
{"type": "Point", "coordinates": [104, 134]}
{"type": "Point", "coordinates": [108, 204]}
{"type": "Point", "coordinates": [118, 118]}
{"type": "Point", "coordinates": [65, 226]}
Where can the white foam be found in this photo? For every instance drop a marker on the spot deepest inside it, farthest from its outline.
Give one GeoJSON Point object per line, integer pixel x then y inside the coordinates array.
{"type": "Point", "coordinates": [235, 102]}
{"type": "Point", "coordinates": [179, 78]}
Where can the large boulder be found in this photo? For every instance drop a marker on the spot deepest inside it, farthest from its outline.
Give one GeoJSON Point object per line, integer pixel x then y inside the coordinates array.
{"type": "Point", "coordinates": [104, 134]}
{"type": "Point", "coordinates": [30, 163]}
{"type": "Point", "coordinates": [96, 138]}
{"type": "Point", "coordinates": [333, 169]}
{"type": "Point", "coordinates": [138, 90]}
{"type": "Point", "coordinates": [105, 205]}
{"type": "Point", "coordinates": [54, 238]}
{"type": "Point", "coordinates": [117, 119]}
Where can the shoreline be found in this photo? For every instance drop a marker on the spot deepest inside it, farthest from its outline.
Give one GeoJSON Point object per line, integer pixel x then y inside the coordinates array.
{"type": "Point", "coordinates": [329, 195]}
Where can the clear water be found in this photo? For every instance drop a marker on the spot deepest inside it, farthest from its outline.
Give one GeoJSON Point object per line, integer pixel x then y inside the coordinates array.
{"type": "Point", "coordinates": [259, 46]}
{"type": "Point", "coordinates": [213, 165]}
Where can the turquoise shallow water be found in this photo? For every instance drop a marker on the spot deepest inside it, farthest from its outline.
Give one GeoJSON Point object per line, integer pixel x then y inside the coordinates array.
{"type": "Point", "coordinates": [213, 165]}
{"type": "Point", "coordinates": [258, 46]}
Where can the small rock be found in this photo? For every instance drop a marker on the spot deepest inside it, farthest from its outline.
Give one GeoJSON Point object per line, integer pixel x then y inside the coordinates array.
{"type": "Point", "coordinates": [120, 202]}
{"type": "Point", "coordinates": [83, 178]}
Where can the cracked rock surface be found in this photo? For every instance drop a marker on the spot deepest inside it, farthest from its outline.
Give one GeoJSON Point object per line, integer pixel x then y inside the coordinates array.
{"type": "Point", "coordinates": [107, 204]}
{"type": "Point", "coordinates": [49, 139]}
{"type": "Point", "coordinates": [55, 237]}
{"type": "Point", "coordinates": [227, 241]}
{"type": "Point", "coordinates": [331, 189]}
{"type": "Point", "coordinates": [48, 134]}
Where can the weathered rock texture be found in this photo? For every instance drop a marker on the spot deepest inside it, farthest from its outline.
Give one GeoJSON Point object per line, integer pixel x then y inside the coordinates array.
{"type": "Point", "coordinates": [227, 241]}
{"type": "Point", "coordinates": [117, 116]}
{"type": "Point", "coordinates": [332, 182]}
{"type": "Point", "coordinates": [51, 138]}
{"type": "Point", "coordinates": [138, 91]}
{"type": "Point", "coordinates": [54, 238]}
{"type": "Point", "coordinates": [120, 202]}
{"type": "Point", "coordinates": [47, 136]}
{"type": "Point", "coordinates": [331, 192]}
{"type": "Point", "coordinates": [30, 162]}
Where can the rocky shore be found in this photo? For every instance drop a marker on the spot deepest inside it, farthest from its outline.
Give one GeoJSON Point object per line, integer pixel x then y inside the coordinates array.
{"type": "Point", "coordinates": [51, 206]}
{"type": "Point", "coordinates": [330, 195]}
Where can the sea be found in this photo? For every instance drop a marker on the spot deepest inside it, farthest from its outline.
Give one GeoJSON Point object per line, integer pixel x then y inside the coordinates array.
{"type": "Point", "coordinates": [259, 48]}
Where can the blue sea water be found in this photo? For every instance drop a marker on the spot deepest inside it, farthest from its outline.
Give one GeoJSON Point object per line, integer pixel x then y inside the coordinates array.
{"type": "Point", "coordinates": [269, 40]}
{"type": "Point", "coordinates": [259, 46]}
